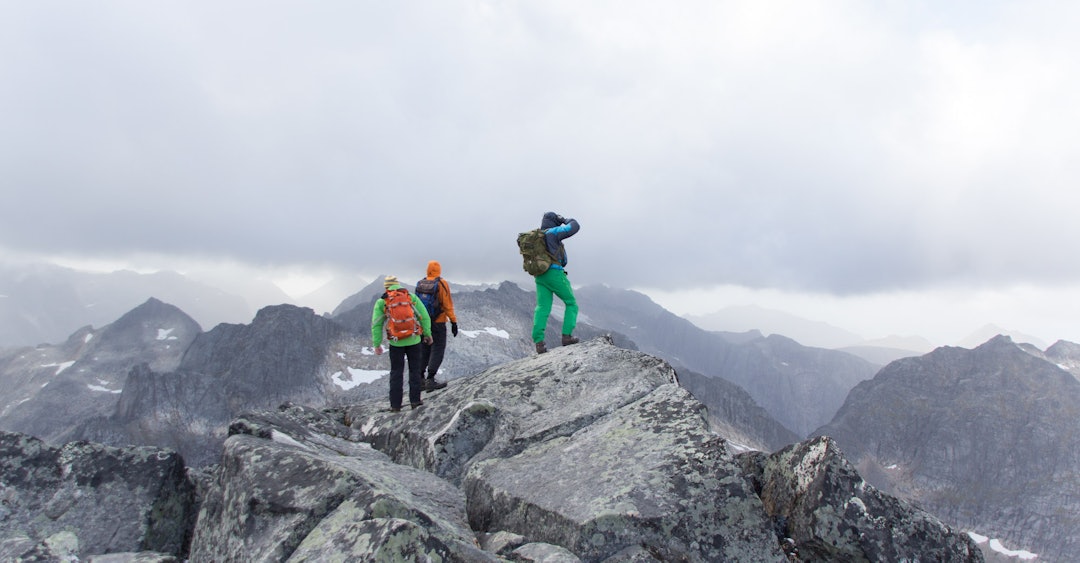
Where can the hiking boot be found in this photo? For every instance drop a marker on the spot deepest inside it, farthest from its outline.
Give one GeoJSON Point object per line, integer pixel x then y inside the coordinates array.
{"type": "Point", "coordinates": [395, 409]}
{"type": "Point", "coordinates": [415, 405]}
{"type": "Point", "coordinates": [540, 348]}
{"type": "Point", "coordinates": [432, 385]}
{"type": "Point", "coordinates": [568, 340]}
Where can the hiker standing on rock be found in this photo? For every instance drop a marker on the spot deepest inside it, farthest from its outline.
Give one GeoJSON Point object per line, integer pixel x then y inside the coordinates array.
{"type": "Point", "coordinates": [434, 293]}
{"type": "Point", "coordinates": [554, 281]}
{"type": "Point", "coordinates": [407, 325]}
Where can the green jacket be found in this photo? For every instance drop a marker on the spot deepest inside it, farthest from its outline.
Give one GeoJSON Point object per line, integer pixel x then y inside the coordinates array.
{"type": "Point", "coordinates": [378, 319]}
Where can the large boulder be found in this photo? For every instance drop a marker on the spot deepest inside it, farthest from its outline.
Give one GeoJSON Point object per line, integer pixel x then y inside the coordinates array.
{"type": "Point", "coordinates": [84, 499]}
{"type": "Point", "coordinates": [291, 487]}
{"type": "Point", "coordinates": [822, 504]}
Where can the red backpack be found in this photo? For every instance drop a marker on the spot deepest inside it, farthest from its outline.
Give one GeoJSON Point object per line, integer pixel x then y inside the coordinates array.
{"type": "Point", "coordinates": [401, 318]}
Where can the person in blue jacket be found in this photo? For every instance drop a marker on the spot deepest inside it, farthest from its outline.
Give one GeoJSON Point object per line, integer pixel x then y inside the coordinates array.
{"type": "Point", "coordinates": [555, 281]}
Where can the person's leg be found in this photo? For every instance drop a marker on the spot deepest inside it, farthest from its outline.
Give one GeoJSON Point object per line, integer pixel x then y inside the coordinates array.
{"type": "Point", "coordinates": [543, 305]}
{"type": "Point", "coordinates": [438, 349]}
{"type": "Point", "coordinates": [561, 287]}
{"type": "Point", "coordinates": [425, 353]}
{"type": "Point", "coordinates": [416, 374]}
{"type": "Point", "coordinates": [397, 374]}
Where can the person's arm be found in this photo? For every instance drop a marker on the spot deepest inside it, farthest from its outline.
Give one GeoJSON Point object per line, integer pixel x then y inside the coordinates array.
{"type": "Point", "coordinates": [566, 230]}
{"type": "Point", "coordinates": [378, 317]}
{"type": "Point", "coordinates": [446, 301]}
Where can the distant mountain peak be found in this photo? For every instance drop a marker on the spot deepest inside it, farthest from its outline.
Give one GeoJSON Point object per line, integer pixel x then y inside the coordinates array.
{"type": "Point", "coordinates": [998, 341]}
{"type": "Point", "coordinates": [989, 331]}
{"type": "Point", "coordinates": [274, 313]}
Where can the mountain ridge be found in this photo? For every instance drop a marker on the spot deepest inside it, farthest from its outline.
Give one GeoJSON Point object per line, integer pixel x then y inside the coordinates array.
{"type": "Point", "coordinates": [495, 324]}
{"type": "Point", "coordinates": [984, 437]}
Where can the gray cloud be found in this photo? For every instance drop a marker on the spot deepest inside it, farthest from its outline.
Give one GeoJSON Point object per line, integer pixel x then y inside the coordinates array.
{"type": "Point", "coordinates": [837, 149]}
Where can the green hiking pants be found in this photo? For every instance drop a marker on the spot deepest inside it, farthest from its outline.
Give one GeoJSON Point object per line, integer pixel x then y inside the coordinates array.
{"type": "Point", "coordinates": [553, 282]}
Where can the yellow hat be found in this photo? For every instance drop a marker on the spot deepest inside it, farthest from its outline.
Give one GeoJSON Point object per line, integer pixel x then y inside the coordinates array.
{"type": "Point", "coordinates": [390, 281]}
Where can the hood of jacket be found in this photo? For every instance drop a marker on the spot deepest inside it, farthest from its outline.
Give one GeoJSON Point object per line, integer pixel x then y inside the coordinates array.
{"type": "Point", "coordinates": [434, 269]}
{"type": "Point", "coordinates": [551, 219]}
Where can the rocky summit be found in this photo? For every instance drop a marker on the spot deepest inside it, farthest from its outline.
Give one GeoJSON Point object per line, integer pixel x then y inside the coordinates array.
{"type": "Point", "coordinates": [587, 453]}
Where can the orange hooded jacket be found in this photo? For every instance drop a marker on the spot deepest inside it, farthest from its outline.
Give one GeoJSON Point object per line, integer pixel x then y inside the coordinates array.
{"type": "Point", "coordinates": [446, 302]}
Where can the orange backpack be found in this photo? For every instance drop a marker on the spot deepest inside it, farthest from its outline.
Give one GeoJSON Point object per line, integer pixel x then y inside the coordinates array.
{"type": "Point", "coordinates": [401, 319]}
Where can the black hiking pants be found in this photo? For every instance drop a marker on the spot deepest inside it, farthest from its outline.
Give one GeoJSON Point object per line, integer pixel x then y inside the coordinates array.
{"type": "Point", "coordinates": [398, 356]}
{"type": "Point", "coordinates": [433, 353]}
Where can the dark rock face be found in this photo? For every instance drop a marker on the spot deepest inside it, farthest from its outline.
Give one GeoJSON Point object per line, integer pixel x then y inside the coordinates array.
{"type": "Point", "coordinates": [51, 391]}
{"type": "Point", "coordinates": [287, 353]}
{"type": "Point", "coordinates": [83, 499]}
{"type": "Point", "coordinates": [822, 504]}
{"type": "Point", "coordinates": [986, 439]}
{"type": "Point", "coordinates": [799, 386]}
{"type": "Point", "coordinates": [280, 351]}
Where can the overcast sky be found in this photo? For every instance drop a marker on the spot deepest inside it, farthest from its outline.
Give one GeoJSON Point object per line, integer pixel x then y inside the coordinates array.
{"type": "Point", "coordinates": [890, 167]}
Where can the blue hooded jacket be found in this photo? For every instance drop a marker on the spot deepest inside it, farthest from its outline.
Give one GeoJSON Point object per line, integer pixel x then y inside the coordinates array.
{"type": "Point", "coordinates": [555, 230]}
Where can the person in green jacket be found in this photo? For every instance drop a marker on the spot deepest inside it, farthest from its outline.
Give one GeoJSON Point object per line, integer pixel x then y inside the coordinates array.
{"type": "Point", "coordinates": [402, 347]}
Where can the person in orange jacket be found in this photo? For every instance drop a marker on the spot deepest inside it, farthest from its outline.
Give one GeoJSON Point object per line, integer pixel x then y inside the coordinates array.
{"type": "Point", "coordinates": [434, 292]}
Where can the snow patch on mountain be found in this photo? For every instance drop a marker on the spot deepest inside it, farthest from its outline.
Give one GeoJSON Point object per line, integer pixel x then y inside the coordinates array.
{"type": "Point", "coordinates": [356, 377]}
{"type": "Point", "coordinates": [487, 330]}
{"type": "Point", "coordinates": [60, 367]}
{"type": "Point", "coordinates": [996, 546]}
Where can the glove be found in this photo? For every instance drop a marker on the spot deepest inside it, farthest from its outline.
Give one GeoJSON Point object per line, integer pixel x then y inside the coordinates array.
{"type": "Point", "coordinates": [562, 220]}
{"type": "Point", "coordinates": [453, 329]}
{"type": "Point", "coordinates": [427, 340]}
